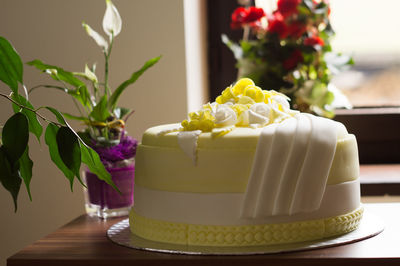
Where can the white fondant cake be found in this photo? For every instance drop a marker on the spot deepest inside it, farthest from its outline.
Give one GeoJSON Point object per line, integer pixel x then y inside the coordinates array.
{"type": "Point", "coordinates": [246, 170]}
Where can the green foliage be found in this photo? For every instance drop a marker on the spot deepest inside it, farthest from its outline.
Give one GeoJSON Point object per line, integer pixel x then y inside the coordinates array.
{"type": "Point", "coordinates": [121, 112]}
{"type": "Point", "coordinates": [34, 125]}
{"type": "Point", "coordinates": [11, 69]}
{"type": "Point", "coordinates": [51, 141]}
{"type": "Point", "coordinates": [67, 150]}
{"type": "Point", "coordinates": [79, 91]}
{"type": "Point", "coordinates": [100, 111]}
{"type": "Point", "coordinates": [15, 137]}
{"type": "Point", "coordinates": [117, 93]}
{"type": "Point", "coordinates": [92, 160]}
{"type": "Point", "coordinates": [9, 177]}
{"type": "Point", "coordinates": [74, 117]}
{"type": "Point", "coordinates": [25, 170]}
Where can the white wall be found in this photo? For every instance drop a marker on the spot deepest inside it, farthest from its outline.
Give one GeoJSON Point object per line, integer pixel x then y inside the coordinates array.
{"type": "Point", "coordinates": [51, 30]}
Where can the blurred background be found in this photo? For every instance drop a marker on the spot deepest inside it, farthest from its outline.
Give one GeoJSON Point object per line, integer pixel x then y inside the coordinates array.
{"type": "Point", "coordinates": [368, 31]}
{"type": "Point", "coordinates": [51, 30]}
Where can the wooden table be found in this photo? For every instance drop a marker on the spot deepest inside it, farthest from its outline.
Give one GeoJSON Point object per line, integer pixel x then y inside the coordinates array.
{"type": "Point", "coordinates": [83, 242]}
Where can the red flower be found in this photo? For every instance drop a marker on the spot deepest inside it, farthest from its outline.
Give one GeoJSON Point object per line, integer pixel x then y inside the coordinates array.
{"type": "Point", "coordinates": [288, 7]}
{"type": "Point", "coordinates": [254, 14]}
{"type": "Point", "coordinates": [276, 24]}
{"type": "Point", "coordinates": [242, 16]}
{"type": "Point", "coordinates": [314, 40]}
{"type": "Point", "coordinates": [296, 29]}
{"type": "Point", "coordinates": [295, 58]}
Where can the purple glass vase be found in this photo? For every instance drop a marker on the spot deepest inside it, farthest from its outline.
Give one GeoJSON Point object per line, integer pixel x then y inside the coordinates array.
{"type": "Point", "coordinates": [102, 200]}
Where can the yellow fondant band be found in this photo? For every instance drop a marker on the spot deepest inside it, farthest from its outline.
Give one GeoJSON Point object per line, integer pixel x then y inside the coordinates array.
{"type": "Point", "coordinates": [219, 168]}
{"type": "Point", "coordinates": [243, 235]}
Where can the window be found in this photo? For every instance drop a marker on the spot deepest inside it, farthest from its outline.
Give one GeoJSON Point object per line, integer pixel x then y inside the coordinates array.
{"type": "Point", "coordinates": [375, 123]}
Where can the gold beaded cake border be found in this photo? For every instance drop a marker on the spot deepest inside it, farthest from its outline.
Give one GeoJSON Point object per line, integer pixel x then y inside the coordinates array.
{"type": "Point", "coordinates": [243, 235]}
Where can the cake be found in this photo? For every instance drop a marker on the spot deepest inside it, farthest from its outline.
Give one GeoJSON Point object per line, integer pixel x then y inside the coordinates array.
{"type": "Point", "coordinates": [246, 170]}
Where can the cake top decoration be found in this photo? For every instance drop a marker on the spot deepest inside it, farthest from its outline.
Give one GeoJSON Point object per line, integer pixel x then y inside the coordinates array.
{"type": "Point", "coordinates": [242, 104]}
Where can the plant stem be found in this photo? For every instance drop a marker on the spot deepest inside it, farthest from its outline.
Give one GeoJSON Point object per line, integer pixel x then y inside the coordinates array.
{"type": "Point", "coordinates": [29, 109]}
{"type": "Point", "coordinates": [246, 33]}
{"type": "Point", "coordinates": [107, 54]}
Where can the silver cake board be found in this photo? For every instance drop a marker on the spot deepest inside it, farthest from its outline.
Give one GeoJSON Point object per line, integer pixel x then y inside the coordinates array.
{"type": "Point", "coordinates": [120, 233]}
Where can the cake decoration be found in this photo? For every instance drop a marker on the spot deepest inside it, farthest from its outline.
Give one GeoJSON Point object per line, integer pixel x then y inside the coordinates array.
{"type": "Point", "coordinates": [284, 168]}
{"type": "Point", "coordinates": [242, 105]}
{"type": "Point", "coordinates": [246, 170]}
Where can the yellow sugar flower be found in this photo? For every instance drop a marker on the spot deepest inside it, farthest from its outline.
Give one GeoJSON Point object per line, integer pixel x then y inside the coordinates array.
{"type": "Point", "coordinates": [202, 120]}
{"type": "Point", "coordinates": [226, 96]}
{"type": "Point", "coordinates": [206, 125]}
{"type": "Point", "coordinates": [190, 125]}
{"type": "Point", "coordinates": [242, 105]}
{"type": "Point", "coordinates": [246, 100]}
{"type": "Point", "coordinates": [240, 108]}
{"type": "Point", "coordinates": [267, 96]}
{"type": "Point", "coordinates": [255, 93]}
{"type": "Point", "coordinates": [241, 84]}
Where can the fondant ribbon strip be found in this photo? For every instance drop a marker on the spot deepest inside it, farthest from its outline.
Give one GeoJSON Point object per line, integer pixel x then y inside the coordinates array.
{"type": "Point", "coordinates": [291, 167]}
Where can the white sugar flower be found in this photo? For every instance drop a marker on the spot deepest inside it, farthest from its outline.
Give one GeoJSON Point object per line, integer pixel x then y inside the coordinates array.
{"type": "Point", "coordinates": [112, 22]}
{"type": "Point", "coordinates": [225, 116]}
{"type": "Point", "coordinates": [281, 99]}
{"type": "Point", "coordinates": [259, 114]}
{"type": "Point", "coordinates": [96, 36]}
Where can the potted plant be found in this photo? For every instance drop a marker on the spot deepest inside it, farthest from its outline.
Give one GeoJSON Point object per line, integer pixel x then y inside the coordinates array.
{"type": "Point", "coordinates": [104, 145]}
{"type": "Point", "coordinates": [290, 51]}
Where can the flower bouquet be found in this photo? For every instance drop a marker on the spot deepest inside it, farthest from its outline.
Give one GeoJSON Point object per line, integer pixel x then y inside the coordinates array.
{"type": "Point", "coordinates": [104, 146]}
{"type": "Point", "coordinates": [289, 51]}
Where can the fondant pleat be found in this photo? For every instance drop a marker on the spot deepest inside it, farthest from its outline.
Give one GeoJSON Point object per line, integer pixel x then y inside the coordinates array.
{"type": "Point", "coordinates": [291, 167]}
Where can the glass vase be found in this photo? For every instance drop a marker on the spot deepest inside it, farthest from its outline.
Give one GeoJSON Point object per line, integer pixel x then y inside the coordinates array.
{"type": "Point", "coordinates": [102, 200]}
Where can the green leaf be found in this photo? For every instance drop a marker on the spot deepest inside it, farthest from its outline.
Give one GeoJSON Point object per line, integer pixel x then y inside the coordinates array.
{"type": "Point", "coordinates": [88, 155]}
{"type": "Point", "coordinates": [59, 75]}
{"type": "Point", "coordinates": [10, 179]}
{"type": "Point", "coordinates": [69, 149]}
{"type": "Point", "coordinates": [81, 92]}
{"type": "Point", "coordinates": [100, 111]}
{"type": "Point", "coordinates": [25, 169]}
{"type": "Point", "coordinates": [120, 112]}
{"type": "Point", "coordinates": [117, 93]}
{"type": "Point", "coordinates": [85, 137]}
{"type": "Point", "coordinates": [74, 117]}
{"type": "Point", "coordinates": [58, 115]}
{"type": "Point", "coordinates": [50, 138]}
{"type": "Point", "coordinates": [15, 137]}
{"type": "Point", "coordinates": [11, 68]}
{"type": "Point", "coordinates": [34, 125]}
{"type": "Point", "coordinates": [51, 87]}
{"type": "Point", "coordinates": [92, 160]}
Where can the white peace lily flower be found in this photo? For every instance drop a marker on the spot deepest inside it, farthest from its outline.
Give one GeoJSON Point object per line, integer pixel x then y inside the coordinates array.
{"type": "Point", "coordinates": [112, 22]}
{"type": "Point", "coordinates": [96, 36]}
{"type": "Point", "coordinates": [225, 116]}
{"type": "Point", "coordinates": [90, 75]}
